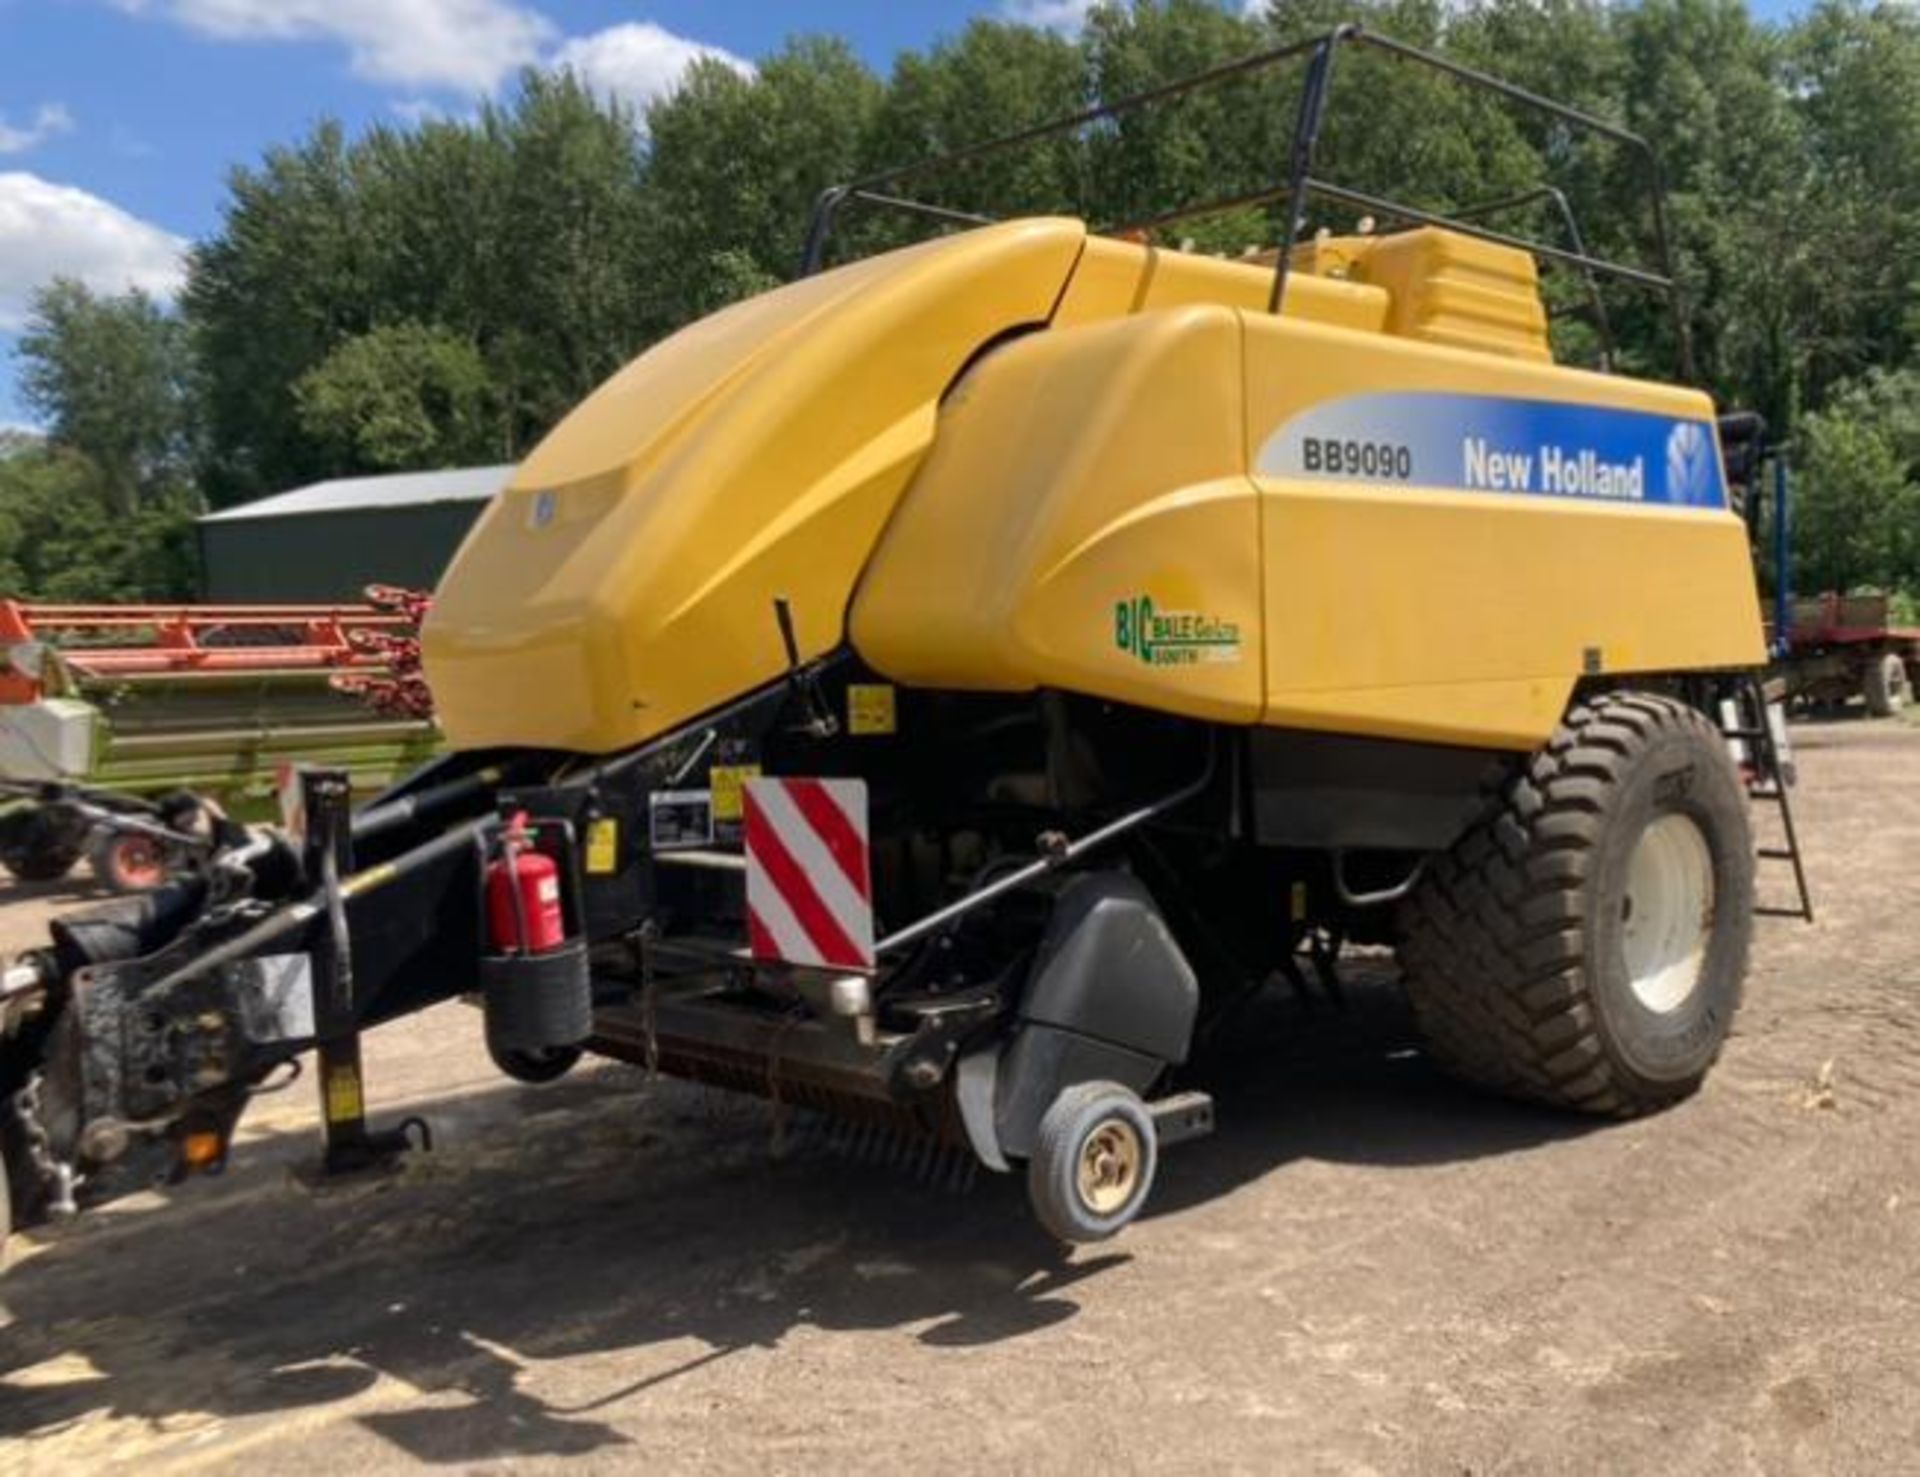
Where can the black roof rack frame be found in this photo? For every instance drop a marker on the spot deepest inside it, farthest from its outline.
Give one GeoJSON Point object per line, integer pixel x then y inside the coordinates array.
{"type": "Point", "coordinates": [1300, 185]}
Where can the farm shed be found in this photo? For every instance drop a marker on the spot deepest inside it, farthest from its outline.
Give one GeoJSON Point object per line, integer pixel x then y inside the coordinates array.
{"type": "Point", "coordinates": [331, 540]}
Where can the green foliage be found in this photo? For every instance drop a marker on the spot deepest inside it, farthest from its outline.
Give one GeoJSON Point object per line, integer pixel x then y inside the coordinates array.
{"type": "Point", "coordinates": [522, 235]}
{"type": "Point", "coordinates": [403, 396]}
{"type": "Point", "coordinates": [102, 508]}
{"type": "Point", "coordinates": [1857, 508]}
{"type": "Point", "coordinates": [734, 164]}
{"type": "Point", "coordinates": [990, 80]}
{"type": "Point", "coordinates": [111, 377]}
{"type": "Point", "coordinates": [60, 539]}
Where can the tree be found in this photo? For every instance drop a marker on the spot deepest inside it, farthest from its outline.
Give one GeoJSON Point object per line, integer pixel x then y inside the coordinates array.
{"type": "Point", "coordinates": [734, 165]}
{"type": "Point", "coordinates": [403, 396]}
{"type": "Point", "coordinates": [110, 375]}
{"type": "Point", "coordinates": [566, 266]}
{"type": "Point", "coordinates": [268, 296]}
{"type": "Point", "coordinates": [1853, 75]}
{"type": "Point", "coordinates": [519, 235]}
{"type": "Point", "coordinates": [60, 539]}
{"type": "Point", "coordinates": [1857, 514]}
{"type": "Point", "coordinates": [1202, 147]}
{"type": "Point", "coordinates": [990, 80]}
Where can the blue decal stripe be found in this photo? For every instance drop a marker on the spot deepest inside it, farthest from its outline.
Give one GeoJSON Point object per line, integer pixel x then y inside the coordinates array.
{"type": "Point", "coordinates": [1498, 444]}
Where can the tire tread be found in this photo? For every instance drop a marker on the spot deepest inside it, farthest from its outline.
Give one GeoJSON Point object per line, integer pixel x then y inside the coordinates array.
{"type": "Point", "coordinates": [1492, 942]}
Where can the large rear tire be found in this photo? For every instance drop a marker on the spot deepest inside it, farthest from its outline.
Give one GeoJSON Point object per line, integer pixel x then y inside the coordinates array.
{"type": "Point", "coordinates": [1885, 685]}
{"type": "Point", "coordinates": [1585, 944]}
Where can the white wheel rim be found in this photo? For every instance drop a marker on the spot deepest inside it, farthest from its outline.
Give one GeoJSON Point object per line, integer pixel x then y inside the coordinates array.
{"type": "Point", "coordinates": [1666, 916]}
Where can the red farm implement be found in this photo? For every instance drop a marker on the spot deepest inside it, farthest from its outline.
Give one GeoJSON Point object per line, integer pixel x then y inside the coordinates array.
{"type": "Point", "coordinates": [123, 727]}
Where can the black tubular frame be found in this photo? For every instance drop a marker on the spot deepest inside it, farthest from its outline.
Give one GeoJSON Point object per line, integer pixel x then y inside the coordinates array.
{"type": "Point", "coordinates": [1300, 185]}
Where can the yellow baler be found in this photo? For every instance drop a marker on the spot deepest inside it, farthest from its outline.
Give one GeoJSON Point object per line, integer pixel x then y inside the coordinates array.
{"type": "Point", "coordinates": [963, 458]}
{"type": "Point", "coordinates": [930, 690]}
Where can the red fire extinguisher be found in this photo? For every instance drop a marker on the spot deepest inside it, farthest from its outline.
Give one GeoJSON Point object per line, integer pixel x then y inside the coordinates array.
{"type": "Point", "coordinates": [523, 896]}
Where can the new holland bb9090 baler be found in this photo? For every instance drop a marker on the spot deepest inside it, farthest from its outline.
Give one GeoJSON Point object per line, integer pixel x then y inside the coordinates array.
{"type": "Point", "coordinates": [928, 691]}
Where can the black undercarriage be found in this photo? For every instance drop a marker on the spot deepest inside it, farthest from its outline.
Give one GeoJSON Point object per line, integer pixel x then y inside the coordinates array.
{"type": "Point", "coordinates": [1064, 890]}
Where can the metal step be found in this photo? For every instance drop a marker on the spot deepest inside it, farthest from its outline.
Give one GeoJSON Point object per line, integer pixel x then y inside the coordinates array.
{"type": "Point", "coordinates": [1768, 786]}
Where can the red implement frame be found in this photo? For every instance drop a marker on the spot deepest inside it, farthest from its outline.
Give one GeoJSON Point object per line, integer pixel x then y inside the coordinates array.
{"type": "Point", "coordinates": [134, 641]}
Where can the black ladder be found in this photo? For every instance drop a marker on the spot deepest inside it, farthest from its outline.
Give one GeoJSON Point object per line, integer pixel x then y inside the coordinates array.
{"type": "Point", "coordinates": [1767, 784]}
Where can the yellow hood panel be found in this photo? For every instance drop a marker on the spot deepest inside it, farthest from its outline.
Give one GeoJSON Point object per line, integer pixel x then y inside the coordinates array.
{"type": "Point", "coordinates": [624, 582]}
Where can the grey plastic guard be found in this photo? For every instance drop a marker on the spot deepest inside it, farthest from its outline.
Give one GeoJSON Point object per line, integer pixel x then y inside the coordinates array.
{"type": "Point", "coordinates": [974, 1085]}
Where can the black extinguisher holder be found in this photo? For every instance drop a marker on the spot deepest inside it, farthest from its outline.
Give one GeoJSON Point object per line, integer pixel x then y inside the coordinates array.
{"type": "Point", "coordinates": [541, 1002]}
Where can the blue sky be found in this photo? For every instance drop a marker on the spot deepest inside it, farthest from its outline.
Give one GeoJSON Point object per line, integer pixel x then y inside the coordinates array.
{"type": "Point", "coordinates": [119, 119]}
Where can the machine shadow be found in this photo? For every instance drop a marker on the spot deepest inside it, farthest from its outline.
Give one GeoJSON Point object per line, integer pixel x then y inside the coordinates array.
{"type": "Point", "coordinates": [644, 1232]}
{"type": "Point", "coordinates": [1338, 1079]}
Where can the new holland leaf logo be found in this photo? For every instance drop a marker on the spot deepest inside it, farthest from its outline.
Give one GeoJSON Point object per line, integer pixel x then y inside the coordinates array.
{"type": "Point", "coordinates": [1173, 638]}
{"type": "Point", "coordinates": [1689, 464]}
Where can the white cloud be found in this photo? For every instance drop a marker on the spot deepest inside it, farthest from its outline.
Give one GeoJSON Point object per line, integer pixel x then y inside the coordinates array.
{"type": "Point", "coordinates": [460, 45]}
{"type": "Point", "coordinates": [49, 230]}
{"type": "Point", "coordinates": [638, 61]}
{"type": "Point", "coordinates": [1050, 15]}
{"type": "Point", "coordinates": [49, 121]}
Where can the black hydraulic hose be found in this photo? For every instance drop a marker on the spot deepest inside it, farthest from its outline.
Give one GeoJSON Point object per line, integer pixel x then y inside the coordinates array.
{"type": "Point", "coordinates": [378, 819]}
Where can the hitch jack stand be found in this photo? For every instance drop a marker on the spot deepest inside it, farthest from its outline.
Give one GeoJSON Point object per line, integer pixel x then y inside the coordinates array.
{"type": "Point", "coordinates": [350, 1146]}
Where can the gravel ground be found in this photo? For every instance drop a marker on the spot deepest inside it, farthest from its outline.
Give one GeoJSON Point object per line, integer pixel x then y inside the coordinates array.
{"type": "Point", "coordinates": [1366, 1270]}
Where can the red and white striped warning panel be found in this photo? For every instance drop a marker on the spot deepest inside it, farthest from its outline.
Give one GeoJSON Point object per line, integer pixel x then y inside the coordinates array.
{"type": "Point", "coordinates": [809, 887]}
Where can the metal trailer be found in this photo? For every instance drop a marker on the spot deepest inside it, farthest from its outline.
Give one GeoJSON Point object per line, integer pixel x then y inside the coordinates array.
{"type": "Point", "coordinates": [1840, 647]}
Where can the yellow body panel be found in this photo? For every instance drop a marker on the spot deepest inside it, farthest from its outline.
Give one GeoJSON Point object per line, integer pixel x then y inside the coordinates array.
{"type": "Point", "coordinates": [1118, 278]}
{"type": "Point", "coordinates": [625, 580]}
{"type": "Point", "coordinates": [1133, 502]}
{"type": "Point", "coordinates": [1443, 287]}
{"type": "Point", "coordinates": [1076, 470]}
{"type": "Point", "coordinates": [1464, 616]}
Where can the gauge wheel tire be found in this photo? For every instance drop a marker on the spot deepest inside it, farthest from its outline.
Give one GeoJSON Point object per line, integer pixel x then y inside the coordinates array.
{"type": "Point", "coordinates": [127, 862]}
{"type": "Point", "coordinates": [1093, 1161]}
{"type": "Point", "coordinates": [1887, 686]}
{"type": "Point", "coordinates": [41, 844]}
{"type": "Point", "coordinates": [536, 1068]}
{"type": "Point", "coordinates": [1585, 944]}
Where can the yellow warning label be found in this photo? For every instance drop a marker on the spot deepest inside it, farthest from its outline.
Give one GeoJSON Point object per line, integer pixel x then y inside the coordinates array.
{"type": "Point", "coordinates": [603, 846]}
{"type": "Point", "coordinates": [1297, 901]}
{"type": "Point", "coordinates": [728, 781]}
{"type": "Point", "coordinates": [870, 708]}
{"type": "Point", "coordinates": [343, 1095]}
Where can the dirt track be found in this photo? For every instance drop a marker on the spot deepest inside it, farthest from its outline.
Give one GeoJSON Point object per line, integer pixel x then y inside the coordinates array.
{"type": "Point", "coordinates": [1367, 1270]}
